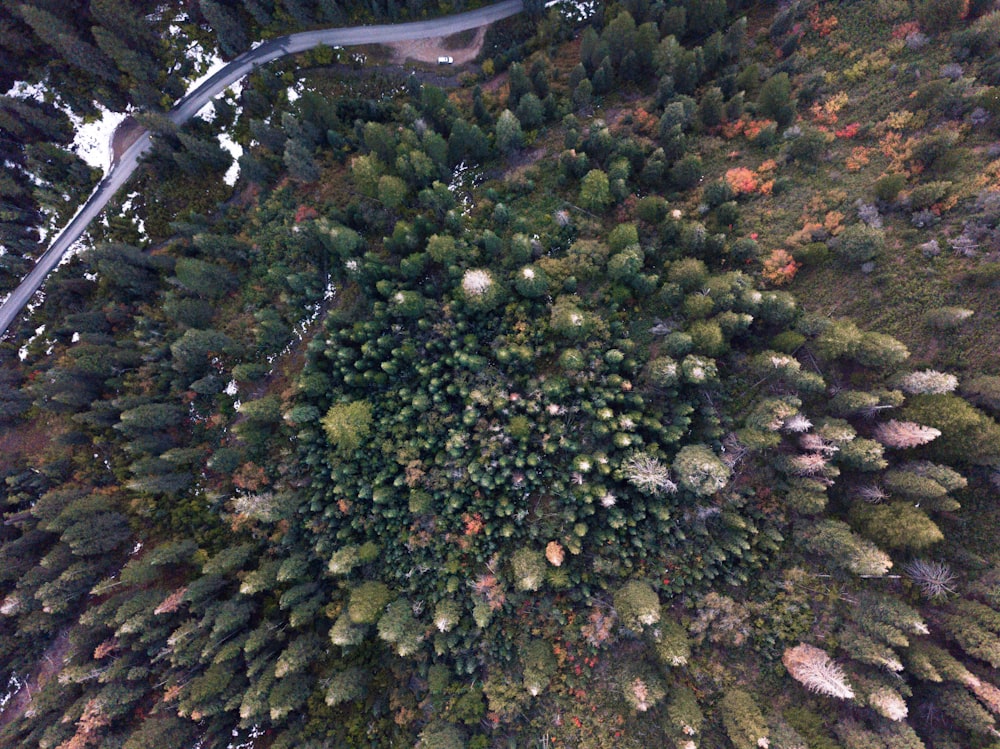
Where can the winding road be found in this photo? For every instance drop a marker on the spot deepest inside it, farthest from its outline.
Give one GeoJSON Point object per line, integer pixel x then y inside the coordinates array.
{"type": "Point", "coordinates": [188, 106]}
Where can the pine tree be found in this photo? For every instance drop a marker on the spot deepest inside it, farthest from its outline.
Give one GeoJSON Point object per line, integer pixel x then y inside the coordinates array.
{"type": "Point", "coordinates": [346, 686]}
{"type": "Point", "coordinates": [200, 155]}
{"type": "Point", "coordinates": [683, 717]}
{"type": "Point", "coordinates": [538, 664]}
{"type": "Point", "coordinates": [976, 628]}
{"type": "Point", "coordinates": [227, 26]}
{"type": "Point", "coordinates": [967, 434]}
{"type": "Point", "coordinates": [367, 602]}
{"type": "Point", "coordinates": [834, 540]}
{"type": "Point", "coordinates": [300, 162]}
{"type": "Point", "coordinates": [65, 40]}
{"type": "Point", "coordinates": [298, 656]}
{"type": "Point", "coordinates": [530, 112]}
{"type": "Point", "coordinates": [863, 648]}
{"type": "Point", "coordinates": [528, 568]}
{"type": "Point", "coordinates": [699, 470]}
{"type": "Point", "coordinates": [963, 710]}
{"type": "Point", "coordinates": [897, 525]}
{"type": "Point", "coordinates": [637, 605]}
{"type": "Point", "coordinates": [814, 669]}
{"type": "Point", "coordinates": [744, 723]}
{"type": "Point", "coordinates": [289, 694]}
{"type": "Point", "coordinates": [119, 15]}
{"type": "Point", "coordinates": [519, 85]}
{"type": "Point", "coordinates": [399, 627]}
{"type": "Point", "coordinates": [887, 702]}
{"type": "Point", "coordinates": [508, 132]}
{"type": "Point", "coordinates": [670, 642]}
{"type": "Point", "coordinates": [347, 425]}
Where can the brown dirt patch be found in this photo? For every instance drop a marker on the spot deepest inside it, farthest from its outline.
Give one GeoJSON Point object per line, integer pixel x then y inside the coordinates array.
{"type": "Point", "coordinates": [429, 50]}
{"type": "Point", "coordinates": [125, 135]}
{"type": "Point", "coordinates": [25, 441]}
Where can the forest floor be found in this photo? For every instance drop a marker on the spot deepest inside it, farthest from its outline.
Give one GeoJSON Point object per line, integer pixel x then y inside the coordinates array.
{"type": "Point", "coordinates": [124, 136]}
{"type": "Point", "coordinates": [49, 665]}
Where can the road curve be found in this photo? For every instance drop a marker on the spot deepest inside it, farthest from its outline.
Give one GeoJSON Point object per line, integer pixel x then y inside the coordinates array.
{"type": "Point", "coordinates": [186, 108]}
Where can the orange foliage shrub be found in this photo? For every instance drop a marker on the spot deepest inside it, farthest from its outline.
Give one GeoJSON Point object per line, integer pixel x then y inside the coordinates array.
{"type": "Point", "coordinates": [644, 123]}
{"type": "Point", "coordinates": [742, 180]}
{"type": "Point", "coordinates": [473, 523]}
{"type": "Point", "coordinates": [251, 477]}
{"type": "Point", "coordinates": [779, 267]}
{"type": "Point", "coordinates": [822, 26]}
{"type": "Point", "coordinates": [859, 158]}
{"type": "Point", "coordinates": [903, 30]}
{"type": "Point", "coordinates": [898, 152]}
{"type": "Point", "coordinates": [848, 132]}
{"type": "Point", "coordinates": [806, 234]}
{"type": "Point", "coordinates": [753, 128]}
{"type": "Point", "coordinates": [833, 222]}
{"type": "Point", "coordinates": [749, 128]}
{"type": "Point", "coordinates": [554, 553]}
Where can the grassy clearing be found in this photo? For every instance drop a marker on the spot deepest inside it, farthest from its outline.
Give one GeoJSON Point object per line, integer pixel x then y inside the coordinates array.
{"type": "Point", "coordinates": [860, 74]}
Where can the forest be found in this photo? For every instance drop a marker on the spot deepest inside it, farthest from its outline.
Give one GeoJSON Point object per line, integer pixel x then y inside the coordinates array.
{"type": "Point", "coordinates": [634, 385]}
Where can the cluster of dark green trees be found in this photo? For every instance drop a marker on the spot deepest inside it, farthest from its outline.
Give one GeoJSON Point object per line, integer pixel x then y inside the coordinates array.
{"type": "Point", "coordinates": [119, 54]}
{"type": "Point", "coordinates": [542, 458]}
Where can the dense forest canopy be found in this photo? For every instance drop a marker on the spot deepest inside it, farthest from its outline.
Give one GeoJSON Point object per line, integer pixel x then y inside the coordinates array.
{"type": "Point", "coordinates": [634, 386]}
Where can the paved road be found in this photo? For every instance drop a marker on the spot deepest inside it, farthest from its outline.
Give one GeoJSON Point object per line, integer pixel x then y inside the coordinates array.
{"type": "Point", "coordinates": [195, 100]}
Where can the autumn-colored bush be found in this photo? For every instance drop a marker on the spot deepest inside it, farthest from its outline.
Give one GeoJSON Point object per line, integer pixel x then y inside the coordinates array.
{"type": "Point", "coordinates": [743, 181]}
{"type": "Point", "coordinates": [822, 26]}
{"type": "Point", "coordinates": [780, 267]}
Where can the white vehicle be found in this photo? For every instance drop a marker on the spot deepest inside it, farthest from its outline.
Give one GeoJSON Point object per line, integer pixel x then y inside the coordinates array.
{"type": "Point", "coordinates": [446, 60]}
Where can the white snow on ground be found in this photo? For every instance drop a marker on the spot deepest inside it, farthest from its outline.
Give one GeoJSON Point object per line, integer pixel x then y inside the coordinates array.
{"type": "Point", "coordinates": [206, 63]}
{"type": "Point", "coordinates": [92, 141]}
{"type": "Point", "coordinates": [140, 224]}
{"type": "Point", "coordinates": [575, 10]}
{"type": "Point", "coordinates": [25, 90]}
{"type": "Point", "coordinates": [227, 142]}
{"type": "Point", "coordinates": [22, 353]}
{"type": "Point", "coordinates": [14, 684]}
{"type": "Point", "coordinates": [83, 244]}
{"type": "Point", "coordinates": [207, 112]}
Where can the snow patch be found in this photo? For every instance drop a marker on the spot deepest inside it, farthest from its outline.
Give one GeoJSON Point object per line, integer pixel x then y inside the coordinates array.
{"type": "Point", "coordinates": [206, 63]}
{"type": "Point", "coordinates": [575, 10]}
{"type": "Point", "coordinates": [14, 684]}
{"type": "Point", "coordinates": [92, 141]}
{"type": "Point", "coordinates": [207, 112]}
{"type": "Point", "coordinates": [22, 352]}
{"type": "Point", "coordinates": [236, 150]}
